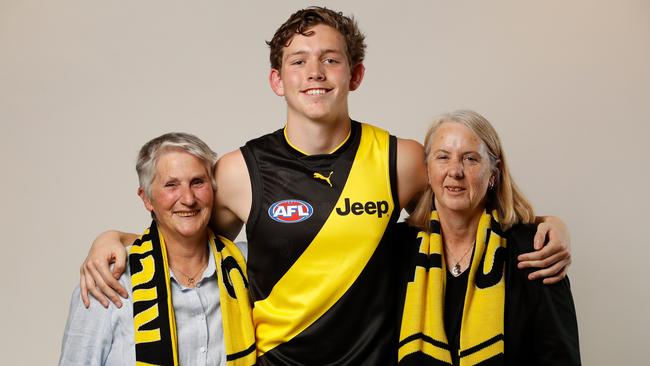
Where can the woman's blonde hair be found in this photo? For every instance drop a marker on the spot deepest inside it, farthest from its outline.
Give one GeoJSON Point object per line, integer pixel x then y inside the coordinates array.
{"type": "Point", "coordinates": [510, 203]}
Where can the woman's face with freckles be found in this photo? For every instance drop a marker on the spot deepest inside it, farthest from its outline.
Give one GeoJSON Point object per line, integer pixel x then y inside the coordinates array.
{"type": "Point", "coordinates": [459, 169]}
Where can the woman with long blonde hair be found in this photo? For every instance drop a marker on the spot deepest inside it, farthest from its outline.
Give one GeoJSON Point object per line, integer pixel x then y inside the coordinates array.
{"type": "Point", "coordinates": [464, 300]}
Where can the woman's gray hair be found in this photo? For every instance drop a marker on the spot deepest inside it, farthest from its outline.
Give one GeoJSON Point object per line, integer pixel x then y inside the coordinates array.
{"type": "Point", "coordinates": [510, 203]}
{"type": "Point", "coordinates": [152, 150]}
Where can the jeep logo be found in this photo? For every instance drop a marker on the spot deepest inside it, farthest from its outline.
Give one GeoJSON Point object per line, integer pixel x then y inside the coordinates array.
{"type": "Point", "coordinates": [357, 208]}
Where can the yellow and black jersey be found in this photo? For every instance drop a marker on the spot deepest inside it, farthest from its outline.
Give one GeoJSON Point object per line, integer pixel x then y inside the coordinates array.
{"type": "Point", "coordinates": [321, 271]}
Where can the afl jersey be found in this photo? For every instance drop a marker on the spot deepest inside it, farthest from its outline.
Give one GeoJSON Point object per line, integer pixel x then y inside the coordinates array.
{"type": "Point", "coordinates": [321, 271]}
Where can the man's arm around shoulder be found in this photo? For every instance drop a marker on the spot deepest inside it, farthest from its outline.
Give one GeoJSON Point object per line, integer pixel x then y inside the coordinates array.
{"type": "Point", "coordinates": [411, 172]}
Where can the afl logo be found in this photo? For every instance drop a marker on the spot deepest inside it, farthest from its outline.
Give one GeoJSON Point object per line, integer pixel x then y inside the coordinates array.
{"type": "Point", "coordinates": [290, 211]}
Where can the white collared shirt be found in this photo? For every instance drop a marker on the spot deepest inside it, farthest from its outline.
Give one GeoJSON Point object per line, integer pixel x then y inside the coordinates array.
{"type": "Point", "coordinates": [98, 336]}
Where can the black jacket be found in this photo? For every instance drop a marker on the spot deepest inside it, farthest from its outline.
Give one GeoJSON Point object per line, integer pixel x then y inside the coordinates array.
{"type": "Point", "coordinates": [540, 320]}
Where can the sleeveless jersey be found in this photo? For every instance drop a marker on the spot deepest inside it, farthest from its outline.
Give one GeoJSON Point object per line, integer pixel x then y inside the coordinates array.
{"type": "Point", "coordinates": [321, 270]}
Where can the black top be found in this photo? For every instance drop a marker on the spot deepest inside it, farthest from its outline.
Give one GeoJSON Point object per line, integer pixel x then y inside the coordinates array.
{"type": "Point", "coordinates": [454, 302]}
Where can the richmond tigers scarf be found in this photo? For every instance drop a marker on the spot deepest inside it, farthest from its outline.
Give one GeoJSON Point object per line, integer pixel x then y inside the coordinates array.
{"type": "Point", "coordinates": [153, 312]}
{"type": "Point", "coordinates": [422, 332]}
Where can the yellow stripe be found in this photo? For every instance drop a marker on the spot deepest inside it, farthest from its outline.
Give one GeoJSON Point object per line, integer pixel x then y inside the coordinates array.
{"type": "Point", "coordinates": [145, 294]}
{"type": "Point", "coordinates": [424, 301]}
{"type": "Point", "coordinates": [236, 313]}
{"type": "Point", "coordinates": [484, 354]}
{"type": "Point", "coordinates": [429, 349]}
{"type": "Point", "coordinates": [142, 318]}
{"type": "Point", "coordinates": [147, 273]}
{"type": "Point", "coordinates": [170, 306]}
{"type": "Point", "coordinates": [330, 265]}
{"type": "Point", "coordinates": [436, 352]}
{"type": "Point", "coordinates": [483, 311]}
{"type": "Point", "coordinates": [143, 248]}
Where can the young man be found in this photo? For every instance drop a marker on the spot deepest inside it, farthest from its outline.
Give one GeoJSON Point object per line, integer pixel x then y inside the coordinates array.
{"type": "Point", "coordinates": [318, 198]}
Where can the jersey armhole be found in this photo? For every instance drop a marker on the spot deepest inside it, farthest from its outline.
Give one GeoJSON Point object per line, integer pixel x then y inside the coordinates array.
{"type": "Point", "coordinates": [392, 171]}
{"type": "Point", "coordinates": [256, 189]}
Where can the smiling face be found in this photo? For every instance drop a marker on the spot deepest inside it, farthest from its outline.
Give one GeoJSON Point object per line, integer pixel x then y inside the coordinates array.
{"type": "Point", "coordinates": [459, 169]}
{"type": "Point", "coordinates": [181, 196]}
{"type": "Point", "coordinates": [315, 76]}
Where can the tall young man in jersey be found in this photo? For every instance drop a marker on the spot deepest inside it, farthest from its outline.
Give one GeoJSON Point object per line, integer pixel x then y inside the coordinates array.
{"type": "Point", "coordinates": [318, 198]}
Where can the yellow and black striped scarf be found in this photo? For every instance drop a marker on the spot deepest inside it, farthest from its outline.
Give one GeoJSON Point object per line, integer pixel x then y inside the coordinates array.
{"type": "Point", "coordinates": [422, 331]}
{"type": "Point", "coordinates": [153, 313]}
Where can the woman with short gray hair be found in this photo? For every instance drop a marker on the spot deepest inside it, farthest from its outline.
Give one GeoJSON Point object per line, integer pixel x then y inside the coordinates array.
{"type": "Point", "coordinates": [188, 298]}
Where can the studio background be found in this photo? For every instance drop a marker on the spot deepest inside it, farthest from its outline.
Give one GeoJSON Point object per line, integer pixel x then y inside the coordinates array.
{"type": "Point", "coordinates": [83, 84]}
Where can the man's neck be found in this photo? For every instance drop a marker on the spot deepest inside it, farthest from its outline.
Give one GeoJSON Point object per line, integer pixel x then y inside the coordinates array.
{"type": "Point", "coordinates": [317, 137]}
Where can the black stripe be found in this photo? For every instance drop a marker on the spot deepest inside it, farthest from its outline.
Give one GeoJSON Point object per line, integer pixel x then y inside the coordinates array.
{"type": "Point", "coordinates": [485, 280]}
{"type": "Point", "coordinates": [420, 358]}
{"type": "Point", "coordinates": [230, 264]}
{"type": "Point", "coordinates": [219, 244]}
{"type": "Point", "coordinates": [240, 354]}
{"type": "Point", "coordinates": [488, 234]}
{"type": "Point", "coordinates": [428, 261]}
{"type": "Point", "coordinates": [392, 171]}
{"type": "Point", "coordinates": [496, 227]}
{"type": "Point", "coordinates": [434, 226]}
{"type": "Point", "coordinates": [481, 345]}
{"type": "Point", "coordinates": [425, 338]}
{"type": "Point", "coordinates": [158, 352]}
{"type": "Point", "coordinates": [145, 238]}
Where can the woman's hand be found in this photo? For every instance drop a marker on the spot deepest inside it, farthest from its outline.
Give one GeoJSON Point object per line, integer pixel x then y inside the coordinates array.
{"type": "Point", "coordinates": [96, 275]}
{"type": "Point", "coordinates": [554, 257]}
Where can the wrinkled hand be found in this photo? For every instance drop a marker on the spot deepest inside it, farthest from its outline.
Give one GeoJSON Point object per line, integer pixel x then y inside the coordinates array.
{"type": "Point", "coordinates": [96, 275]}
{"type": "Point", "coordinates": [555, 257]}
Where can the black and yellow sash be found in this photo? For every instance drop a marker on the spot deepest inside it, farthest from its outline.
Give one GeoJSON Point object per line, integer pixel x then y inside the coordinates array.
{"type": "Point", "coordinates": [153, 312]}
{"type": "Point", "coordinates": [422, 332]}
{"type": "Point", "coordinates": [333, 261]}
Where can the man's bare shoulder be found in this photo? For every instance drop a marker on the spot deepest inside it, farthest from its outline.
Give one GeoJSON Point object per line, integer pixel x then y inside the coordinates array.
{"type": "Point", "coordinates": [410, 148]}
{"type": "Point", "coordinates": [411, 171]}
{"type": "Point", "coordinates": [231, 168]}
{"type": "Point", "coordinates": [233, 180]}
{"type": "Point", "coordinates": [230, 164]}
{"type": "Point", "coordinates": [233, 195]}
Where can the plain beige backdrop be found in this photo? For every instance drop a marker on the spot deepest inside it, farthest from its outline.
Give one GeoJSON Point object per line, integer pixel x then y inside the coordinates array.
{"type": "Point", "coordinates": [83, 84]}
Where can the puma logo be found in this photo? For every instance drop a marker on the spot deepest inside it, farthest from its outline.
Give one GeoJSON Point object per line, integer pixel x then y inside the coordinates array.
{"type": "Point", "coordinates": [327, 179]}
